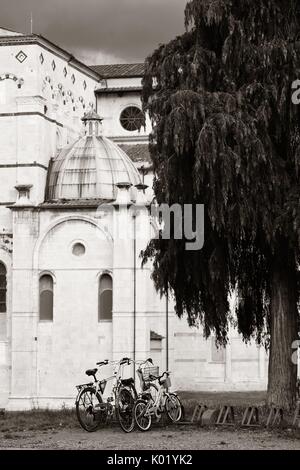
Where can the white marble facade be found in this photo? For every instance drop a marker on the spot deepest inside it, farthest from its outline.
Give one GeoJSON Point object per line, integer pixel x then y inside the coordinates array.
{"type": "Point", "coordinates": [71, 243]}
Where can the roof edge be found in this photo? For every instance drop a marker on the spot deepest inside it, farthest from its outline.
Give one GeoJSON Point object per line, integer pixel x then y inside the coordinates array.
{"type": "Point", "coordinates": [52, 47]}
{"type": "Point", "coordinates": [18, 33]}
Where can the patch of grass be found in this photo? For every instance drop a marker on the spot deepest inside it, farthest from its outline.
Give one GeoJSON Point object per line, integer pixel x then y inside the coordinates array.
{"type": "Point", "coordinates": [38, 420]}
{"type": "Point", "coordinates": [43, 421]}
{"type": "Point", "coordinates": [11, 436]}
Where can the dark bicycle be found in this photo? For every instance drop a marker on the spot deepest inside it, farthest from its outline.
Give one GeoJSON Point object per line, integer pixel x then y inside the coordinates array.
{"type": "Point", "coordinates": [92, 411]}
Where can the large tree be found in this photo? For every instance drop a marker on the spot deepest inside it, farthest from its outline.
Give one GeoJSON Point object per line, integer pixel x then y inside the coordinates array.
{"type": "Point", "coordinates": [226, 134]}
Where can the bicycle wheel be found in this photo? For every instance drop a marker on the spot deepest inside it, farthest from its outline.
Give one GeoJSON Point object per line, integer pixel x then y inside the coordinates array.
{"type": "Point", "coordinates": [88, 410]}
{"type": "Point", "coordinates": [173, 408]}
{"type": "Point", "coordinates": [125, 406]}
{"type": "Point", "coordinates": [143, 422]}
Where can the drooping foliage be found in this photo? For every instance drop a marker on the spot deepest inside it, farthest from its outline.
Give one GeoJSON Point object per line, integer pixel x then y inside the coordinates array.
{"type": "Point", "coordinates": [226, 134]}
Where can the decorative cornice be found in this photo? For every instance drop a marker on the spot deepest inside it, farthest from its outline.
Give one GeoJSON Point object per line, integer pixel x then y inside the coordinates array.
{"type": "Point", "coordinates": [23, 165]}
{"type": "Point", "coordinates": [32, 113]}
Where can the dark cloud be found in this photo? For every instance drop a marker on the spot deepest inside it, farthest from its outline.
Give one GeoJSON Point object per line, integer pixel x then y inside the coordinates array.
{"type": "Point", "coordinates": [126, 30]}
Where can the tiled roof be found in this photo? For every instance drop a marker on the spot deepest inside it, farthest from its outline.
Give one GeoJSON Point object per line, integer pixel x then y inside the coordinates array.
{"type": "Point", "coordinates": [91, 116]}
{"type": "Point", "coordinates": [137, 153]}
{"type": "Point", "coordinates": [119, 70]}
{"type": "Point", "coordinates": [119, 89]}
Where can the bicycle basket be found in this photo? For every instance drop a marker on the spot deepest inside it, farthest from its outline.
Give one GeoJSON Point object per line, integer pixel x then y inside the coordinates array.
{"type": "Point", "coordinates": [103, 385]}
{"type": "Point", "coordinates": [148, 372]}
{"type": "Point", "coordinates": [166, 382]}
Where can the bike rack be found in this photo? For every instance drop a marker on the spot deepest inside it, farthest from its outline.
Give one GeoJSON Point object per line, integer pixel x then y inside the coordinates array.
{"type": "Point", "coordinates": [226, 416]}
{"type": "Point", "coordinates": [251, 417]}
{"type": "Point", "coordinates": [275, 417]}
{"type": "Point", "coordinates": [198, 413]}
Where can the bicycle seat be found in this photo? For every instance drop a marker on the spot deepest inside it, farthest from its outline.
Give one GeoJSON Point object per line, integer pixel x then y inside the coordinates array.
{"type": "Point", "coordinates": [127, 382]}
{"type": "Point", "coordinates": [91, 372]}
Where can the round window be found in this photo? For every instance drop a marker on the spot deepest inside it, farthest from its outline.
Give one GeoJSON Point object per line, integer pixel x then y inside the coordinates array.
{"type": "Point", "coordinates": [132, 118]}
{"type": "Point", "coordinates": [78, 249]}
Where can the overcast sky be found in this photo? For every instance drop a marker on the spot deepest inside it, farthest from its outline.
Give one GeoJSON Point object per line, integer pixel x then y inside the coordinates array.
{"type": "Point", "coordinates": [99, 31]}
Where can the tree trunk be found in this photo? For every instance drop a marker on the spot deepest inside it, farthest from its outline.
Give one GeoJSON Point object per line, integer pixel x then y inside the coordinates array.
{"type": "Point", "coordinates": [283, 329]}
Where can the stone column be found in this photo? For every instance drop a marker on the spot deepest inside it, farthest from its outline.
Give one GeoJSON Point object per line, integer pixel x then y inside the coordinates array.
{"type": "Point", "coordinates": [24, 316]}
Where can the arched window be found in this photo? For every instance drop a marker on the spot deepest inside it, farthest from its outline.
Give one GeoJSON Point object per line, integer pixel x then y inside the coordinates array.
{"type": "Point", "coordinates": [3, 288]}
{"type": "Point", "coordinates": [46, 298]}
{"type": "Point", "coordinates": [105, 298]}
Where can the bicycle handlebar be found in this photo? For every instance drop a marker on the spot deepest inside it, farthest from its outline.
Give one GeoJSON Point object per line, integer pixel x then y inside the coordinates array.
{"type": "Point", "coordinates": [154, 377]}
{"type": "Point", "coordinates": [124, 360]}
{"type": "Point", "coordinates": [140, 363]}
{"type": "Point", "coordinates": [102, 363]}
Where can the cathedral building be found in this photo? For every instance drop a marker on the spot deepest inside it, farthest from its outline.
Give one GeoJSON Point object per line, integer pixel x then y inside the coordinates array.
{"type": "Point", "coordinates": [73, 160]}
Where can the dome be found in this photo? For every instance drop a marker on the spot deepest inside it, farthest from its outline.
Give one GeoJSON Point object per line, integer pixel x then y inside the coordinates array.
{"type": "Point", "coordinates": [90, 168]}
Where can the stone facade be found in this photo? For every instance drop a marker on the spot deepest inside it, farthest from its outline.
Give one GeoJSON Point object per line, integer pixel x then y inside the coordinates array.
{"type": "Point", "coordinates": [44, 93]}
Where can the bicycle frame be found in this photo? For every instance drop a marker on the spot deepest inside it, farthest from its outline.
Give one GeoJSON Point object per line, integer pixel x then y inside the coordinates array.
{"type": "Point", "coordinates": [116, 378]}
{"type": "Point", "coordinates": [158, 406]}
{"type": "Point", "coordinates": [92, 410]}
{"type": "Point", "coordinates": [117, 382]}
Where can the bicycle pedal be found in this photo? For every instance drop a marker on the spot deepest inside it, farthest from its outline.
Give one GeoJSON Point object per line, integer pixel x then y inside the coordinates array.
{"type": "Point", "coordinates": [101, 406]}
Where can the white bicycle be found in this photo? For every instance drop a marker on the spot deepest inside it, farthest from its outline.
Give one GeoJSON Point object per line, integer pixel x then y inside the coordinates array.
{"type": "Point", "coordinates": [147, 407]}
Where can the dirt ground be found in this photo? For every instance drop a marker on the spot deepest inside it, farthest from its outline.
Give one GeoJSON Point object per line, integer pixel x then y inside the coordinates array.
{"type": "Point", "coordinates": [169, 438]}
{"type": "Point", "coordinates": [57, 430]}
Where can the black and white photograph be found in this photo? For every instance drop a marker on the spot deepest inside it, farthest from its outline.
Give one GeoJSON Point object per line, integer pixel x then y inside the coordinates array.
{"type": "Point", "coordinates": [149, 229]}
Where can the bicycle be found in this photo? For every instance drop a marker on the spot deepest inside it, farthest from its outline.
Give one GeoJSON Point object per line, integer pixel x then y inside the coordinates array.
{"type": "Point", "coordinates": [92, 411]}
{"type": "Point", "coordinates": [145, 384]}
{"type": "Point", "coordinates": [146, 407]}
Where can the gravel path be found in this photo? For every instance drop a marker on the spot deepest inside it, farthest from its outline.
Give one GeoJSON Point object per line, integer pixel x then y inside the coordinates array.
{"type": "Point", "coordinates": [169, 438]}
